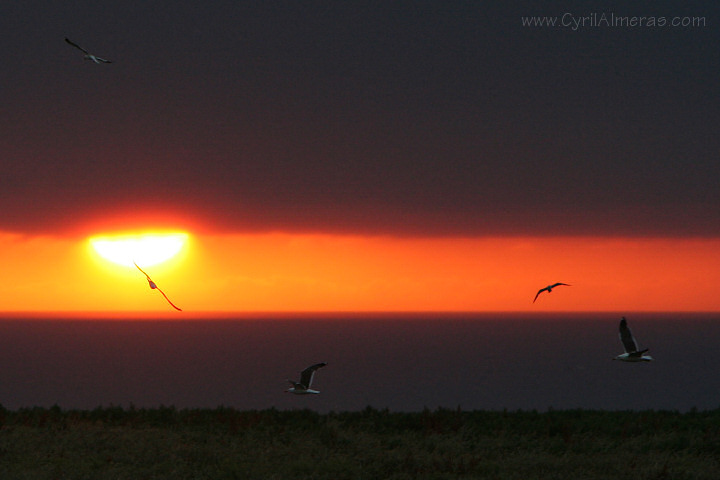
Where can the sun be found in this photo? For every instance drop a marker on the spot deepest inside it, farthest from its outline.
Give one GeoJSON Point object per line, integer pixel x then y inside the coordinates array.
{"type": "Point", "coordinates": [145, 249]}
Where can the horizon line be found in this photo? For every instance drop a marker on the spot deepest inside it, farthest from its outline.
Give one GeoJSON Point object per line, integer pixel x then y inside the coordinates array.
{"type": "Point", "coordinates": [260, 314]}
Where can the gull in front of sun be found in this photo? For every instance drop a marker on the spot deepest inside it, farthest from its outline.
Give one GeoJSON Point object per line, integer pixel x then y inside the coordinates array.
{"type": "Point", "coordinates": [154, 286]}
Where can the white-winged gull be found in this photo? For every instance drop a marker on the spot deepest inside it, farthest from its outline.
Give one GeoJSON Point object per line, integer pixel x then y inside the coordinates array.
{"type": "Point", "coordinates": [306, 377]}
{"type": "Point", "coordinates": [88, 55]}
{"type": "Point", "coordinates": [632, 354]}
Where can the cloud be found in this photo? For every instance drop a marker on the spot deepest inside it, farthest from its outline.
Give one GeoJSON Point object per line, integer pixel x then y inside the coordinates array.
{"type": "Point", "coordinates": [446, 121]}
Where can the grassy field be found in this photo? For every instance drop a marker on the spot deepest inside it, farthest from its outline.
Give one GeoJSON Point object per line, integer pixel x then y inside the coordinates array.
{"type": "Point", "coordinates": [223, 443]}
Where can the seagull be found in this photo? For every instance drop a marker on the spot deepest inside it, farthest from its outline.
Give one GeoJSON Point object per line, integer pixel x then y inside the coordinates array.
{"type": "Point", "coordinates": [155, 287]}
{"type": "Point", "coordinates": [306, 377]}
{"type": "Point", "coordinates": [88, 55]}
{"type": "Point", "coordinates": [631, 352]}
{"type": "Point", "coordinates": [549, 289]}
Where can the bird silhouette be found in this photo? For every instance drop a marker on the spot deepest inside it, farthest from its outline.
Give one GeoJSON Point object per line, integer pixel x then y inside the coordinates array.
{"type": "Point", "coordinates": [306, 377]}
{"type": "Point", "coordinates": [88, 55]}
{"type": "Point", "coordinates": [154, 286]}
{"type": "Point", "coordinates": [549, 289]}
{"type": "Point", "coordinates": [632, 354]}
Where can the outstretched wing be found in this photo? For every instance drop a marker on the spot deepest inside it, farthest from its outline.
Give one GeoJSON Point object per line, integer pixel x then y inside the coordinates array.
{"type": "Point", "coordinates": [306, 376]}
{"type": "Point", "coordinates": [103, 60]}
{"type": "Point", "coordinates": [626, 337]}
{"type": "Point", "coordinates": [559, 283]}
{"type": "Point", "coordinates": [168, 300]}
{"type": "Point", "coordinates": [76, 46]}
{"type": "Point", "coordinates": [143, 271]}
{"type": "Point", "coordinates": [538, 294]}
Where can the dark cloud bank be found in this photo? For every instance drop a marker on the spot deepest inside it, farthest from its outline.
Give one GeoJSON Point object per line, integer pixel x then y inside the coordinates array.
{"type": "Point", "coordinates": [409, 118]}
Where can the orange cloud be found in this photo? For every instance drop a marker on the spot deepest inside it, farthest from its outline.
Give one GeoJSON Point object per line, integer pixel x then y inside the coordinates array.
{"type": "Point", "coordinates": [306, 272]}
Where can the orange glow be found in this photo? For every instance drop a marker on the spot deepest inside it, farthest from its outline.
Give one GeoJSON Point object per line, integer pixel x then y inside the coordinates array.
{"type": "Point", "coordinates": [145, 249]}
{"type": "Point", "coordinates": [313, 272]}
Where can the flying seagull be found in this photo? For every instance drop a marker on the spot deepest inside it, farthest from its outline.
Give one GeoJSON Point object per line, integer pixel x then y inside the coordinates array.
{"type": "Point", "coordinates": [88, 55]}
{"type": "Point", "coordinates": [632, 354]}
{"type": "Point", "coordinates": [306, 377]}
{"type": "Point", "coordinates": [549, 289]}
{"type": "Point", "coordinates": [155, 287]}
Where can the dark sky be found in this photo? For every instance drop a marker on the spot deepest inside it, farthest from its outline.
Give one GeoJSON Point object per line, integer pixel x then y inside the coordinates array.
{"type": "Point", "coordinates": [397, 117]}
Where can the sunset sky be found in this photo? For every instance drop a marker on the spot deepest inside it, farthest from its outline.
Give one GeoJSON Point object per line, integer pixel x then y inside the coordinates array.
{"type": "Point", "coordinates": [394, 155]}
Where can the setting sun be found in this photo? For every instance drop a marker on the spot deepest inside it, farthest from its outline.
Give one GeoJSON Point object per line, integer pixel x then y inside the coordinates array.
{"type": "Point", "coordinates": [145, 249]}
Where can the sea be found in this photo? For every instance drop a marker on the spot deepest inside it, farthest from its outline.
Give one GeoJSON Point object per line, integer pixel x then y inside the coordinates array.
{"type": "Point", "coordinates": [396, 361]}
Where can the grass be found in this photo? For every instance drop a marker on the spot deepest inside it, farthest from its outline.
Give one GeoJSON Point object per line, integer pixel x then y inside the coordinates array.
{"type": "Point", "coordinates": [223, 443]}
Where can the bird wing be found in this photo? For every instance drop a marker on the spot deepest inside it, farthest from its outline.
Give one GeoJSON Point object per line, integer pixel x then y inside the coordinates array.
{"type": "Point", "coordinates": [626, 337]}
{"type": "Point", "coordinates": [99, 59]}
{"type": "Point", "coordinates": [143, 271]}
{"type": "Point", "coordinates": [76, 46]}
{"type": "Point", "coordinates": [306, 376]}
{"type": "Point", "coordinates": [538, 294]}
{"type": "Point", "coordinates": [168, 300]}
{"type": "Point", "coordinates": [559, 283]}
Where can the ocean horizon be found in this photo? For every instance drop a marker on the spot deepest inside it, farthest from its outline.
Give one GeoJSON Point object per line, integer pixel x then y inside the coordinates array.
{"type": "Point", "coordinates": [399, 361]}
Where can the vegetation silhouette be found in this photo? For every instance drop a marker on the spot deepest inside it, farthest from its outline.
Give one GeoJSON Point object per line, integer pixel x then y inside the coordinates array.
{"type": "Point", "coordinates": [222, 443]}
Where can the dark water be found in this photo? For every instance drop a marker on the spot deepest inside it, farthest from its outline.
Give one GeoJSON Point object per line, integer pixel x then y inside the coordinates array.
{"type": "Point", "coordinates": [400, 362]}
